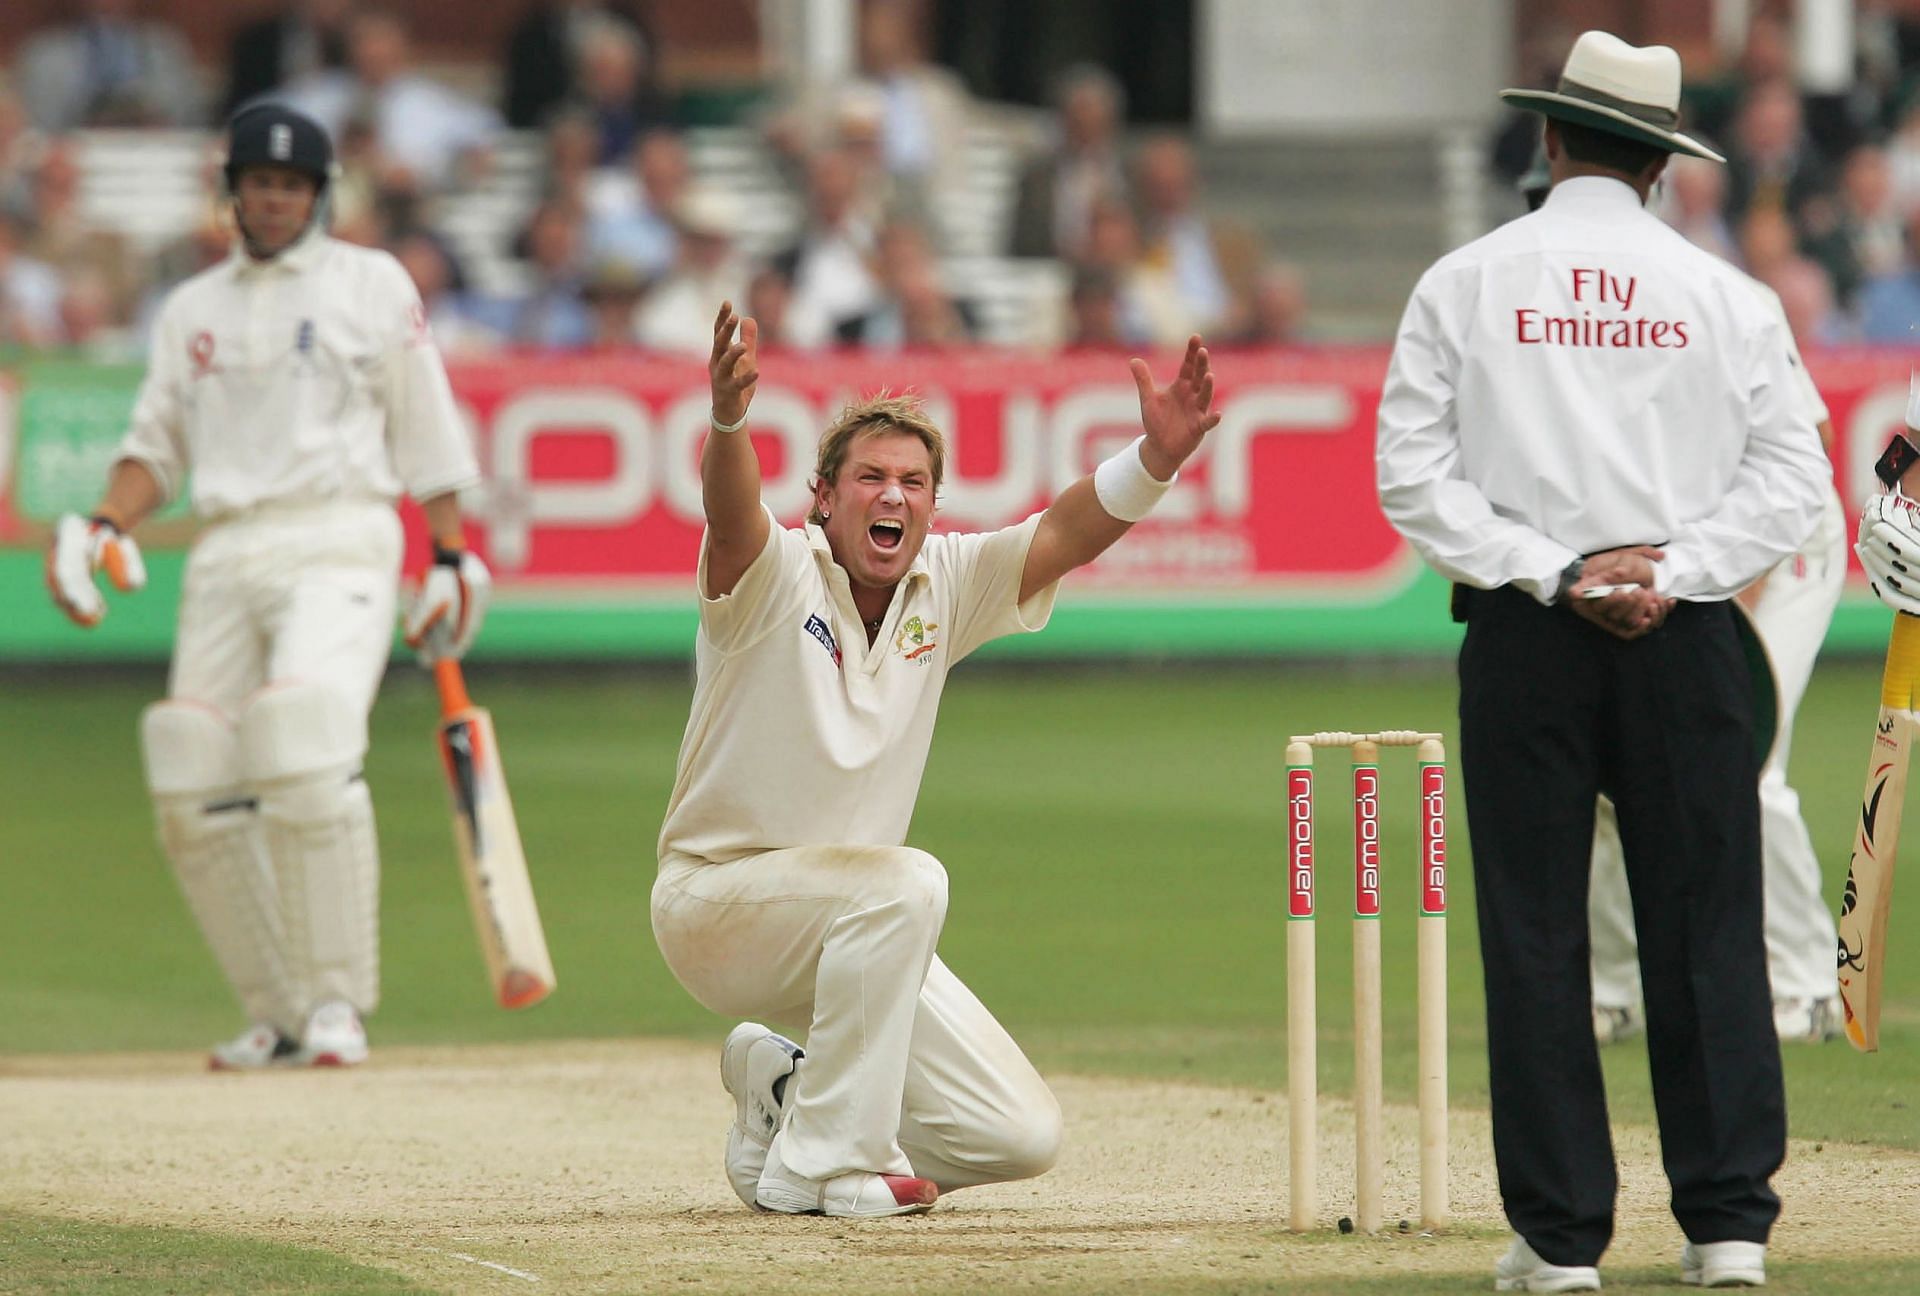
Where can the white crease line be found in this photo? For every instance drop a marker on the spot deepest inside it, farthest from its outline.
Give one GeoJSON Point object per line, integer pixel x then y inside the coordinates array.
{"type": "Point", "coordinates": [487, 1264]}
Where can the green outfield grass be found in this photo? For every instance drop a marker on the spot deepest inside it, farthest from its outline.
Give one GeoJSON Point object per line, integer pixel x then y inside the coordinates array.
{"type": "Point", "coordinates": [1112, 836]}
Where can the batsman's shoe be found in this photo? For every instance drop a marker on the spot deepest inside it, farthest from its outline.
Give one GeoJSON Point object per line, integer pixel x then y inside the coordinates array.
{"type": "Point", "coordinates": [859, 1195]}
{"type": "Point", "coordinates": [1808, 1021]}
{"type": "Point", "coordinates": [1724, 1264]}
{"type": "Point", "coordinates": [252, 1049]}
{"type": "Point", "coordinates": [1611, 1024]}
{"type": "Point", "coordinates": [1522, 1270]}
{"type": "Point", "coordinates": [334, 1037]}
{"type": "Point", "coordinates": [755, 1066]}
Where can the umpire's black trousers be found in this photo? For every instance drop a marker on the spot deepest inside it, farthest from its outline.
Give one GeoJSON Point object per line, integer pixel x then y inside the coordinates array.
{"type": "Point", "coordinates": [1552, 711]}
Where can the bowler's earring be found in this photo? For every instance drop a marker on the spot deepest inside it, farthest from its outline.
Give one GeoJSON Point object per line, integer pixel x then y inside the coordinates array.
{"type": "Point", "coordinates": [826, 517]}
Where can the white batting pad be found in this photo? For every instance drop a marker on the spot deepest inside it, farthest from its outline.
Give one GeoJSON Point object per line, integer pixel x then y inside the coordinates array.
{"type": "Point", "coordinates": [301, 745]}
{"type": "Point", "coordinates": [211, 834]}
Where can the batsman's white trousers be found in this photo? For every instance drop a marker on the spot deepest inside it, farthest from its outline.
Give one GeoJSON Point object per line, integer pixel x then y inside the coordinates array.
{"type": "Point", "coordinates": [906, 1072]}
{"type": "Point", "coordinates": [289, 593]}
{"type": "Point", "coordinates": [296, 596]}
{"type": "Point", "coordinates": [1795, 606]}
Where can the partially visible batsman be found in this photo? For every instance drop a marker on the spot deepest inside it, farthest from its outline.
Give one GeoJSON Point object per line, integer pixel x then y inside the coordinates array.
{"type": "Point", "coordinates": [786, 889]}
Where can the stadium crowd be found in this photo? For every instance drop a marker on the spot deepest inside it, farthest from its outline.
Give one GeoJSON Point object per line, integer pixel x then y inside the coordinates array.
{"type": "Point", "coordinates": [624, 234]}
{"type": "Point", "coordinates": [625, 241]}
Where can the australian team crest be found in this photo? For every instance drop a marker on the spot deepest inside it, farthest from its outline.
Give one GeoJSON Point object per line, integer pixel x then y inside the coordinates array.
{"type": "Point", "coordinates": [915, 640]}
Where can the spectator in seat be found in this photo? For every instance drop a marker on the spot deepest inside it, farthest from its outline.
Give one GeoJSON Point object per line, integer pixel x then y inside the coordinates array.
{"type": "Point", "coordinates": [29, 291]}
{"type": "Point", "coordinates": [429, 137]}
{"type": "Point", "coordinates": [65, 238]}
{"type": "Point", "coordinates": [20, 146]}
{"type": "Point", "coordinates": [630, 211]}
{"type": "Point", "coordinates": [1093, 305]}
{"type": "Point", "coordinates": [770, 305]}
{"type": "Point", "coordinates": [924, 121]}
{"type": "Point", "coordinates": [1806, 295]}
{"type": "Point", "coordinates": [300, 38]}
{"type": "Point", "coordinates": [1278, 308]}
{"type": "Point", "coordinates": [553, 313]}
{"type": "Point", "coordinates": [458, 322]}
{"type": "Point", "coordinates": [108, 67]}
{"type": "Point", "coordinates": [677, 314]}
{"type": "Point", "coordinates": [613, 290]}
{"type": "Point", "coordinates": [1211, 262]}
{"type": "Point", "coordinates": [1857, 233]}
{"type": "Point", "coordinates": [89, 323]}
{"type": "Point", "coordinates": [1772, 163]}
{"type": "Point", "coordinates": [831, 264]}
{"type": "Point", "coordinates": [914, 309]}
{"type": "Point", "coordinates": [615, 88]}
{"type": "Point", "coordinates": [1150, 308]}
{"type": "Point", "coordinates": [1692, 199]}
{"type": "Point", "coordinates": [1889, 304]}
{"type": "Point", "coordinates": [1057, 191]}
{"type": "Point", "coordinates": [573, 155]}
{"type": "Point", "coordinates": [543, 54]}
{"type": "Point", "coordinates": [927, 105]}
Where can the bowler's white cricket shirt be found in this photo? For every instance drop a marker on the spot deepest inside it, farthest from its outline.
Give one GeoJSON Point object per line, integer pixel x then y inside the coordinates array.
{"type": "Point", "coordinates": [802, 734]}
{"type": "Point", "coordinates": [1583, 378]}
{"type": "Point", "coordinates": [306, 378]}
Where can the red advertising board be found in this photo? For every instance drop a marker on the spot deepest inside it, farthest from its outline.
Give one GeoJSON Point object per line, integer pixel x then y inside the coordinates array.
{"type": "Point", "coordinates": [593, 464]}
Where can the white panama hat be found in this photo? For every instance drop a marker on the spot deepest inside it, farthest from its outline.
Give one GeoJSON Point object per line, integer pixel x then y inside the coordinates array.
{"type": "Point", "coordinates": [1626, 90]}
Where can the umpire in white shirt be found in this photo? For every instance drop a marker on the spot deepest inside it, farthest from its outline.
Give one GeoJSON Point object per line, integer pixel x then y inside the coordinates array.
{"type": "Point", "coordinates": [297, 383]}
{"type": "Point", "coordinates": [1582, 398]}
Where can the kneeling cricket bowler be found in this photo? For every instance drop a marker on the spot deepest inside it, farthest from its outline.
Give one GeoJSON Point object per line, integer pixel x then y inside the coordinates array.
{"type": "Point", "coordinates": [786, 889]}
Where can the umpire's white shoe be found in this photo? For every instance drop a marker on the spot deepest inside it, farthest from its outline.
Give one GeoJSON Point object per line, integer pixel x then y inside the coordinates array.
{"type": "Point", "coordinates": [1522, 1270]}
{"type": "Point", "coordinates": [1612, 1024]}
{"type": "Point", "coordinates": [334, 1037]}
{"type": "Point", "coordinates": [1724, 1264]}
{"type": "Point", "coordinates": [1808, 1021]}
{"type": "Point", "coordinates": [859, 1195]}
{"type": "Point", "coordinates": [253, 1049]}
{"type": "Point", "coordinates": [756, 1067]}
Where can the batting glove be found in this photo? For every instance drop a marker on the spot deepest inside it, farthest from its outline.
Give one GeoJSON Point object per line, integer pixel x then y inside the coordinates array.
{"type": "Point", "coordinates": [1889, 549]}
{"type": "Point", "coordinates": [452, 601]}
{"type": "Point", "coordinates": [81, 547]}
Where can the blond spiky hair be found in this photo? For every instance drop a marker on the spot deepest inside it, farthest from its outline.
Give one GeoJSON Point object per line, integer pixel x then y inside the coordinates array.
{"type": "Point", "coordinates": [880, 413]}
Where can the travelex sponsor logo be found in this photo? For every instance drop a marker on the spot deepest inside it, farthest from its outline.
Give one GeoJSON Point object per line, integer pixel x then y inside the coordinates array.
{"type": "Point", "coordinates": [1299, 843]}
{"type": "Point", "coordinates": [1433, 839]}
{"type": "Point", "coordinates": [915, 641]}
{"type": "Point", "coordinates": [817, 627]}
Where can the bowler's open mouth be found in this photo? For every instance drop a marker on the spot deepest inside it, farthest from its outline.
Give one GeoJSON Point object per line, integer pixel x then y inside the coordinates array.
{"type": "Point", "coordinates": [888, 533]}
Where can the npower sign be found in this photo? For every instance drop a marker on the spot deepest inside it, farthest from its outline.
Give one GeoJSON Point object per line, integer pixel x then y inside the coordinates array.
{"type": "Point", "coordinates": [593, 468]}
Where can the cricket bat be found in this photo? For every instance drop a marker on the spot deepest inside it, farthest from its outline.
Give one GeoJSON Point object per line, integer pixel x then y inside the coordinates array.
{"type": "Point", "coordinates": [1869, 893]}
{"type": "Point", "coordinates": [488, 841]}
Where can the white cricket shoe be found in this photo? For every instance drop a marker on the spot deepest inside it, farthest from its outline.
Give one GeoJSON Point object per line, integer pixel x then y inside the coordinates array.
{"type": "Point", "coordinates": [254, 1048]}
{"type": "Point", "coordinates": [756, 1067]}
{"type": "Point", "coordinates": [1522, 1270]}
{"type": "Point", "coordinates": [1611, 1024]}
{"type": "Point", "coordinates": [1808, 1021]}
{"type": "Point", "coordinates": [334, 1037]}
{"type": "Point", "coordinates": [859, 1195]}
{"type": "Point", "coordinates": [1724, 1264]}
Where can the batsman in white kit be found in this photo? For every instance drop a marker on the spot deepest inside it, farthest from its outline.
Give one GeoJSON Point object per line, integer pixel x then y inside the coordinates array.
{"type": "Point", "coordinates": [298, 386]}
{"type": "Point", "coordinates": [786, 890]}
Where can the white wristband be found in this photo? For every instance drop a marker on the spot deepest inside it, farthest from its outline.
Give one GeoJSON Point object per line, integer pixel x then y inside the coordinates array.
{"type": "Point", "coordinates": [1124, 487]}
{"type": "Point", "coordinates": [718, 426]}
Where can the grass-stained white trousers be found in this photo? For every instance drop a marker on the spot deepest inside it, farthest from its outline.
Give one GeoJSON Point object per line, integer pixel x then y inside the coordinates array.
{"type": "Point", "coordinates": [906, 1071]}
